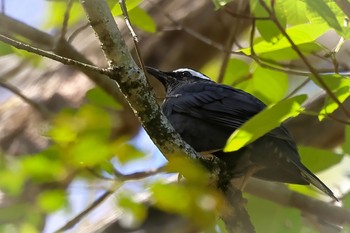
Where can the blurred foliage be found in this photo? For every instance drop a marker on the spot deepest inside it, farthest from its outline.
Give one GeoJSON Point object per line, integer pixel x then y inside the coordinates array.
{"type": "Point", "coordinates": [81, 139]}
{"type": "Point", "coordinates": [269, 217]}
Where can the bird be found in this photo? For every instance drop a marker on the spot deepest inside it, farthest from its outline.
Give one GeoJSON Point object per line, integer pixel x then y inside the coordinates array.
{"type": "Point", "coordinates": [206, 113]}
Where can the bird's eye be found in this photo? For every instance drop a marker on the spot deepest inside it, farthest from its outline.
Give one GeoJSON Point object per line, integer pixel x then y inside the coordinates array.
{"type": "Point", "coordinates": [186, 74]}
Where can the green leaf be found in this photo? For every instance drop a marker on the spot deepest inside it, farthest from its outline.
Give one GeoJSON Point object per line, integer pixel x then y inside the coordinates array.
{"type": "Point", "coordinates": [126, 152]}
{"type": "Point", "coordinates": [12, 181]}
{"type": "Point", "coordinates": [35, 167]}
{"type": "Point", "coordinates": [88, 151]}
{"type": "Point", "coordinates": [52, 200]}
{"type": "Point", "coordinates": [264, 122]}
{"type": "Point", "coordinates": [295, 11]}
{"type": "Point", "coordinates": [289, 53]}
{"type": "Point", "coordinates": [318, 159]}
{"type": "Point", "coordinates": [339, 86]}
{"type": "Point", "coordinates": [270, 217]}
{"type": "Point", "coordinates": [142, 20]}
{"type": "Point", "coordinates": [346, 144]}
{"type": "Point", "coordinates": [267, 28]}
{"type": "Point", "coordinates": [322, 9]}
{"type": "Point", "coordinates": [57, 9]}
{"type": "Point", "coordinates": [172, 197]}
{"type": "Point", "coordinates": [195, 202]}
{"type": "Point", "coordinates": [270, 86]}
{"type": "Point", "coordinates": [300, 34]}
{"type": "Point", "coordinates": [236, 71]}
{"type": "Point", "coordinates": [116, 10]}
{"type": "Point", "coordinates": [99, 97]}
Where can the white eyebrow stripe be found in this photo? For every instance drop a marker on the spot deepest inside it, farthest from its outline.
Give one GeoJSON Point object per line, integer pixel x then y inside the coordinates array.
{"type": "Point", "coordinates": [193, 72]}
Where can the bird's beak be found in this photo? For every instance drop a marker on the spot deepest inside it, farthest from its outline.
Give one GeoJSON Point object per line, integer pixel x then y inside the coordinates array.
{"type": "Point", "coordinates": [160, 75]}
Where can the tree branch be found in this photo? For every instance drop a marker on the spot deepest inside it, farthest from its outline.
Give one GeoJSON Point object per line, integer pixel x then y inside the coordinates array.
{"type": "Point", "coordinates": [71, 223]}
{"type": "Point", "coordinates": [41, 109]}
{"type": "Point", "coordinates": [132, 81]}
{"type": "Point", "coordinates": [285, 197]}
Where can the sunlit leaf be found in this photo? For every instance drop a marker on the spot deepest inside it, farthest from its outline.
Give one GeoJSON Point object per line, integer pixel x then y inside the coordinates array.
{"type": "Point", "coordinates": [28, 228]}
{"type": "Point", "coordinates": [270, 217]}
{"type": "Point", "coordinates": [264, 122]}
{"type": "Point", "coordinates": [12, 181]}
{"type": "Point", "coordinates": [290, 54]}
{"type": "Point", "coordinates": [64, 129]}
{"type": "Point", "coordinates": [115, 7]}
{"type": "Point", "coordinates": [142, 20]}
{"type": "Point", "coordinates": [318, 159]}
{"type": "Point", "coordinates": [99, 97]}
{"type": "Point", "coordinates": [295, 11]}
{"type": "Point", "coordinates": [300, 34]}
{"type": "Point", "coordinates": [268, 85]}
{"type": "Point", "coordinates": [36, 167]}
{"type": "Point", "coordinates": [325, 12]}
{"type": "Point", "coordinates": [339, 86]}
{"type": "Point", "coordinates": [52, 200]}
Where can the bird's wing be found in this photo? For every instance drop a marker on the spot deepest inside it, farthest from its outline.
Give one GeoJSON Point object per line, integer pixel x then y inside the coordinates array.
{"type": "Point", "coordinates": [216, 104]}
{"type": "Point", "coordinates": [221, 105]}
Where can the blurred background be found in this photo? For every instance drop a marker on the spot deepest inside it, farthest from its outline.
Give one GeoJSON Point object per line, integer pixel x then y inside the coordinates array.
{"type": "Point", "coordinates": [53, 166]}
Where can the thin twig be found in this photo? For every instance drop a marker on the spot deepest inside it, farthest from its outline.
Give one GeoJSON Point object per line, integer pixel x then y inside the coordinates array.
{"type": "Point", "coordinates": [299, 87]}
{"type": "Point", "coordinates": [316, 114]}
{"type": "Point", "coordinates": [227, 54]}
{"type": "Point", "coordinates": [64, 60]}
{"type": "Point", "coordinates": [127, 177]}
{"type": "Point", "coordinates": [237, 15]}
{"type": "Point", "coordinates": [41, 109]}
{"type": "Point", "coordinates": [133, 34]}
{"type": "Point", "coordinates": [71, 223]}
{"type": "Point", "coordinates": [76, 32]}
{"type": "Point", "coordinates": [303, 58]}
{"type": "Point", "coordinates": [65, 21]}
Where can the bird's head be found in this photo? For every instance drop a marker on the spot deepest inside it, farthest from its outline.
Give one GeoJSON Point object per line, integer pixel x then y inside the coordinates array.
{"type": "Point", "coordinates": [176, 78]}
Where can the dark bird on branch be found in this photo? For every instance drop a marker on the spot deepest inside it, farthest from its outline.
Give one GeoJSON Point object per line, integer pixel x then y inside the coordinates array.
{"type": "Point", "coordinates": [206, 113]}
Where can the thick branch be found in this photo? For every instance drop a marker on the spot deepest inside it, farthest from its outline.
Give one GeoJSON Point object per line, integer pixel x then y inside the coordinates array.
{"type": "Point", "coordinates": [132, 81]}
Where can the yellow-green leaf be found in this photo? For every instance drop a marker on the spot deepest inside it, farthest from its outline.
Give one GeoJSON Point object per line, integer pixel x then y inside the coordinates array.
{"type": "Point", "coordinates": [52, 200]}
{"type": "Point", "coordinates": [142, 20]}
{"type": "Point", "coordinates": [318, 159]}
{"type": "Point", "coordinates": [264, 122]}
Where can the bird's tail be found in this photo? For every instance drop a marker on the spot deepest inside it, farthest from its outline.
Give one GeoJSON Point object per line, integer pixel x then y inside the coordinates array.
{"type": "Point", "coordinates": [312, 179]}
